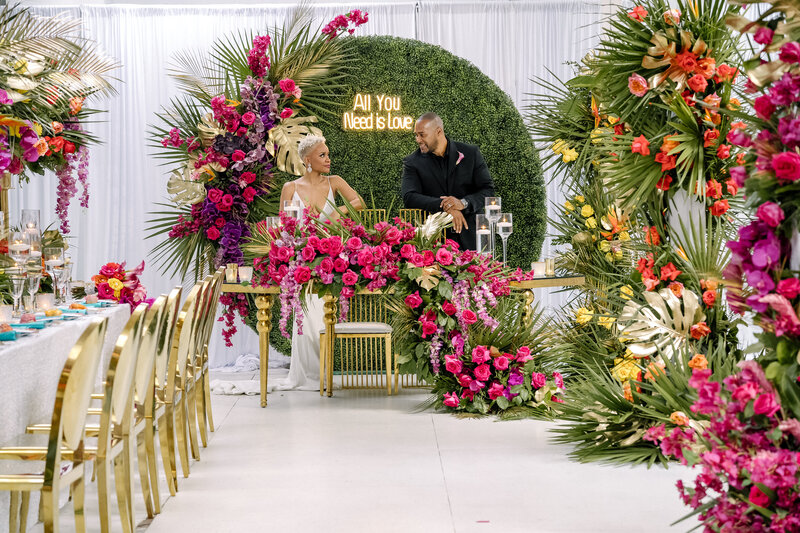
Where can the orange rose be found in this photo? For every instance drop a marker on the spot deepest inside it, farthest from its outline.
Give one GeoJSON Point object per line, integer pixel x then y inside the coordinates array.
{"type": "Point", "coordinates": [709, 136]}
{"type": "Point", "coordinates": [57, 127]}
{"type": "Point", "coordinates": [651, 236]}
{"type": "Point", "coordinates": [719, 208]}
{"type": "Point", "coordinates": [713, 189]}
{"type": "Point", "coordinates": [726, 73]}
{"type": "Point", "coordinates": [699, 330]}
{"type": "Point", "coordinates": [679, 418]}
{"type": "Point", "coordinates": [668, 144]}
{"type": "Point", "coordinates": [654, 370]}
{"type": "Point", "coordinates": [626, 391]}
{"type": "Point", "coordinates": [41, 146]}
{"type": "Point", "coordinates": [638, 13]}
{"type": "Point", "coordinates": [698, 362]}
{"type": "Point", "coordinates": [75, 105]}
{"type": "Point", "coordinates": [677, 288]}
{"type": "Point", "coordinates": [709, 284]}
{"type": "Point", "coordinates": [686, 61]}
{"type": "Point", "coordinates": [706, 67]}
{"type": "Point", "coordinates": [698, 83]}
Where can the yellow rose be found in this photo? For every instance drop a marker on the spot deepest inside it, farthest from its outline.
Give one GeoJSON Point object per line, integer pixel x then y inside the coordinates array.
{"type": "Point", "coordinates": [591, 223]}
{"type": "Point", "coordinates": [559, 146]}
{"type": "Point", "coordinates": [618, 254]}
{"type": "Point", "coordinates": [116, 294]}
{"type": "Point", "coordinates": [624, 236]}
{"type": "Point", "coordinates": [610, 257]}
{"type": "Point", "coordinates": [626, 292]}
{"type": "Point", "coordinates": [569, 155]}
{"type": "Point", "coordinates": [583, 316]}
{"type": "Point", "coordinates": [568, 206]}
{"type": "Point", "coordinates": [115, 284]}
{"type": "Point", "coordinates": [625, 369]}
{"type": "Point", "coordinates": [587, 211]}
{"type": "Point", "coordinates": [580, 199]}
{"type": "Point", "coordinates": [606, 321]}
{"type": "Point", "coordinates": [605, 246]}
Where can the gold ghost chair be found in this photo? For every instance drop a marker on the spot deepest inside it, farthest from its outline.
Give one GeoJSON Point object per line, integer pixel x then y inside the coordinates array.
{"type": "Point", "coordinates": [183, 344]}
{"type": "Point", "coordinates": [361, 337]}
{"type": "Point", "coordinates": [207, 313]}
{"type": "Point", "coordinates": [113, 448]}
{"type": "Point", "coordinates": [65, 441]}
{"type": "Point", "coordinates": [166, 394]}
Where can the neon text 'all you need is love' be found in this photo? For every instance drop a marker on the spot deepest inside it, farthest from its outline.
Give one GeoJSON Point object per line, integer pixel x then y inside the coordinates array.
{"type": "Point", "coordinates": [376, 112]}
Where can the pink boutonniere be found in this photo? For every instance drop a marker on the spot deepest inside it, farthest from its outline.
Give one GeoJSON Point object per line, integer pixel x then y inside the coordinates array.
{"type": "Point", "coordinates": [460, 157]}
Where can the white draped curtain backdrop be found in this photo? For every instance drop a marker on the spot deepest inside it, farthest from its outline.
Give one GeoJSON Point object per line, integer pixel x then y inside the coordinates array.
{"type": "Point", "coordinates": [513, 42]}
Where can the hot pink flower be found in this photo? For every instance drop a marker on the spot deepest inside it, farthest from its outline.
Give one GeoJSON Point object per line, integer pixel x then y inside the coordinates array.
{"type": "Point", "coordinates": [407, 251]}
{"type": "Point", "coordinates": [249, 194]}
{"type": "Point", "coordinates": [225, 203]}
{"type": "Point", "coordinates": [745, 393]}
{"type": "Point", "coordinates": [501, 363]}
{"type": "Point", "coordinates": [496, 390]}
{"type": "Point", "coordinates": [757, 497]}
{"type": "Point", "coordinates": [326, 265]}
{"type": "Point", "coordinates": [413, 300]}
{"type": "Point", "coordinates": [524, 354]}
{"type": "Point", "coordinates": [238, 155]}
{"type": "Point", "coordinates": [538, 380]}
{"type": "Point", "coordinates": [766, 405]}
{"type": "Point", "coordinates": [286, 113]}
{"type": "Point", "coordinates": [444, 257]}
{"type": "Point", "coordinates": [354, 244]}
{"type": "Point", "coordinates": [770, 213]}
{"type": "Point", "coordinates": [213, 233]}
{"type": "Point", "coordinates": [453, 364]}
{"type": "Point", "coordinates": [469, 317]}
{"type": "Point", "coordinates": [428, 328]}
{"type": "Point", "coordinates": [482, 372]}
{"type": "Point", "coordinates": [287, 85]}
{"type": "Point", "coordinates": [451, 399]}
{"type": "Point", "coordinates": [308, 254]}
{"type": "Point", "coordinates": [349, 278]}
{"type": "Point", "coordinates": [448, 308]}
{"type": "Point", "coordinates": [302, 274]}
{"type": "Point", "coordinates": [764, 107]}
{"type": "Point", "coordinates": [247, 178]}
{"type": "Point", "coordinates": [105, 292]}
{"type": "Point", "coordinates": [214, 195]}
{"type": "Point", "coordinates": [339, 264]}
{"type": "Point", "coordinates": [248, 118]}
{"type": "Point", "coordinates": [789, 288]}
{"type": "Point", "coordinates": [480, 354]}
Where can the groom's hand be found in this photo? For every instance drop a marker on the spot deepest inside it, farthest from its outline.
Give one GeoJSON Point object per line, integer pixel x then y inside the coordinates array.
{"type": "Point", "coordinates": [459, 222]}
{"type": "Point", "coordinates": [451, 203]}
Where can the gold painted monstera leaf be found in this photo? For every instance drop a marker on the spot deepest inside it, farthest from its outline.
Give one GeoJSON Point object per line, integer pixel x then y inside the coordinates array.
{"type": "Point", "coordinates": [662, 325]}
{"type": "Point", "coordinates": [184, 191]}
{"type": "Point", "coordinates": [429, 278]}
{"type": "Point", "coordinates": [283, 141]}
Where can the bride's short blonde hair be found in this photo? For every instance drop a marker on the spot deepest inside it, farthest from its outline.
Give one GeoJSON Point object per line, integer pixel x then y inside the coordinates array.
{"type": "Point", "coordinates": [307, 144]}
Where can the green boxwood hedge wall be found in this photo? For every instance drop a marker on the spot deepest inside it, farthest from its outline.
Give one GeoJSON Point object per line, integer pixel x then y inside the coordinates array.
{"type": "Point", "coordinates": [474, 110]}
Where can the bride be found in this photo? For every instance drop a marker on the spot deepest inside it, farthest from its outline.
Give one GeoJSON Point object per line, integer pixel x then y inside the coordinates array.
{"type": "Point", "coordinates": [317, 191]}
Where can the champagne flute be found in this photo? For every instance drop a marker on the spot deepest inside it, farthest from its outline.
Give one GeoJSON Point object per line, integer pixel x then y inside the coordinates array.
{"type": "Point", "coordinates": [34, 280]}
{"type": "Point", "coordinates": [505, 227]}
{"type": "Point", "coordinates": [19, 246]}
{"type": "Point", "coordinates": [53, 260]}
{"type": "Point", "coordinates": [491, 208]}
{"type": "Point", "coordinates": [17, 288]}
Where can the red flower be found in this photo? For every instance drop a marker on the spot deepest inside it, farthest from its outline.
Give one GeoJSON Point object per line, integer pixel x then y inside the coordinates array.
{"type": "Point", "coordinates": [709, 297]}
{"type": "Point", "coordinates": [705, 68]}
{"type": "Point", "coordinates": [669, 272]}
{"type": "Point", "coordinates": [247, 177]}
{"type": "Point", "coordinates": [213, 233]}
{"type": "Point", "coordinates": [733, 189]}
{"type": "Point", "coordinates": [448, 308]}
{"type": "Point", "coordinates": [638, 13]}
{"type": "Point", "coordinates": [413, 300]}
{"type": "Point", "coordinates": [709, 136]}
{"type": "Point", "coordinates": [468, 316]}
{"type": "Point", "coordinates": [686, 60]}
{"type": "Point", "coordinates": [428, 328]}
{"type": "Point", "coordinates": [249, 194]}
{"type": "Point", "coordinates": [238, 155]}
{"type": "Point", "coordinates": [724, 151]}
{"type": "Point", "coordinates": [699, 330]}
{"type": "Point", "coordinates": [640, 145]}
{"type": "Point", "coordinates": [719, 208]}
{"type": "Point", "coordinates": [286, 113]}
{"type": "Point", "coordinates": [713, 189]}
{"type": "Point", "coordinates": [663, 183]}
{"type": "Point", "coordinates": [667, 162]}
{"type": "Point", "coordinates": [698, 83]}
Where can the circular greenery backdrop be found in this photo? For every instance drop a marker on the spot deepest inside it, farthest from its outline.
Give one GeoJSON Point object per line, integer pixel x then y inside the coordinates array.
{"type": "Point", "coordinates": [474, 110]}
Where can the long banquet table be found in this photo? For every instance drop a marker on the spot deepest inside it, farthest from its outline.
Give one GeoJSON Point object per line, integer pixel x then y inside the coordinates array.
{"type": "Point", "coordinates": [263, 300]}
{"type": "Point", "coordinates": [29, 371]}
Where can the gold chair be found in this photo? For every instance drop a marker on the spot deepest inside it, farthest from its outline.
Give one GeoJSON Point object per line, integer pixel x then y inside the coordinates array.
{"type": "Point", "coordinates": [184, 407]}
{"type": "Point", "coordinates": [370, 217]}
{"type": "Point", "coordinates": [413, 216]}
{"type": "Point", "coordinates": [65, 441]}
{"type": "Point", "coordinates": [361, 337]}
{"type": "Point", "coordinates": [206, 312]}
{"type": "Point", "coordinates": [167, 397]}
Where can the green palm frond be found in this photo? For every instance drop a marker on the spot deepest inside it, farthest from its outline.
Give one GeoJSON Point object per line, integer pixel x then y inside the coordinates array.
{"type": "Point", "coordinates": [179, 255]}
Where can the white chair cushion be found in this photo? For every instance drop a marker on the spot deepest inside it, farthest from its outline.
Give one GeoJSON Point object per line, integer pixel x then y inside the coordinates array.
{"type": "Point", "coordinates": [360, 328]}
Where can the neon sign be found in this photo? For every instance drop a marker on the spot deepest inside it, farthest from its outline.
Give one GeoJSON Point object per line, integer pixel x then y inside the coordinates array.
{"type": "Point", "coordinates": [385, 117]}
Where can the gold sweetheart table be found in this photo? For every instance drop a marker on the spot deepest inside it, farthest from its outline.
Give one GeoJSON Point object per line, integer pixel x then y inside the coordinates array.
{"type": "Point", "coordinates": [264, 314]}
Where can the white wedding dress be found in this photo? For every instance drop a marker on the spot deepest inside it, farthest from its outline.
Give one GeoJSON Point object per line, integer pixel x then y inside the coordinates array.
{"type": "Point", "coordinates": [304, 365]}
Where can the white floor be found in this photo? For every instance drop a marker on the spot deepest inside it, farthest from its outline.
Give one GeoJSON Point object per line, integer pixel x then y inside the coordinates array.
{"type": "Point", "coordinates": [364, 462]}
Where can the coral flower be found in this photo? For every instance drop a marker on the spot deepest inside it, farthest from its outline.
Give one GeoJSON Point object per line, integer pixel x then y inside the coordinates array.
{"type": "Point", "coordinates": [637, 85]}
{"type": "Point", "coordinates": [641, 145]}
{"type": "Point", "coordinates": [686, 61]}
{"type": "Point", "coordinates": [698, 362]}
{"type": "Point", "coordinates": [699, 330]}
{"type": "Point", "coordinates": [719, 208]}
{"type": "Point", "coordinates": [638, 13]}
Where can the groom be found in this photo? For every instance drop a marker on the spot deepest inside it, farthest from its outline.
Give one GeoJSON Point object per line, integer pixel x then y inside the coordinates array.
{"type": "Point", "coordinates": [445, 175]}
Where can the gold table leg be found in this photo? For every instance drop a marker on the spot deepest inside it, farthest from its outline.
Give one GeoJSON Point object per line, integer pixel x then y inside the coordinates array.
{"type": "Point", "coordinates": [264, 317]}
{"type": "Point", "coordinates": [330, 307]}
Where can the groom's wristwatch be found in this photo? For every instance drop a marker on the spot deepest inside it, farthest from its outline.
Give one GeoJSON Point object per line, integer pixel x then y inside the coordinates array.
{"type": "Point", "coordinates": [464, 202]}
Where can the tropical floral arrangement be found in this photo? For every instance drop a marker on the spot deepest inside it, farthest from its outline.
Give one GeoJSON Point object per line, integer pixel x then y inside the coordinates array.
{"type": "Point", "coordinates": [234, 131]}
{"type": "Point", "coordinates": [47, 72]}
{"type": "Point", "coordinates": [748, 451]}
{"type": "Point", "coordinates": [115, 283]}
{"type": "Point", "coordinates": [642, 134]}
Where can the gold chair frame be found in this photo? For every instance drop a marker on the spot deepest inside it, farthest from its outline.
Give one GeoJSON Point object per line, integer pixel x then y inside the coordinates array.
{"type": "Point", "coordinates": [184, 346]}
{"type": "Point", "coordinates": [65, 441]}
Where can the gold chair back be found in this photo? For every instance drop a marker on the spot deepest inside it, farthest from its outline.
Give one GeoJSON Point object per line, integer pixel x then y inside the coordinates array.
{"type": "Point", "coordinates": [201, 317]}
{"type": "Point", "coordinates": [122, 368]}
{"type": "Point", "coordinates": [372, 216]}
{"type": "Point", "coordinates": [416, 217]}
{"type": "Point", "coordinates": [184, 328]}
{"type": "Point", "coordinates": [75, 389]}
{"type": "Point", "coordinates": [153, 324]}
{"type": "Point", "coordinates": [165, 363]}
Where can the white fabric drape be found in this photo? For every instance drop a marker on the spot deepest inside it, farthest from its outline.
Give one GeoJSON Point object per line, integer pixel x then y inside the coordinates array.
{"type": "Point", "coordinates": [510, 41]}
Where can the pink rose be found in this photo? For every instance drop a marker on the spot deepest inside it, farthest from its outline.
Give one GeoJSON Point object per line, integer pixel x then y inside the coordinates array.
{"type": "Point", "coordinates": [339, 264]}
{"type": "Point", "coordinates": [757, 497]}
{"type": "Point", "coordinates": [348, 292]}
{"type": "Point", "coordinates": [480, 354]}
{"type": "Point", "coordinates": [451, 399]}
{"type": "Point", "coordinates": [284, 253]}
{"type": "Point", "coordinates": [482, 372]}
{"type": "Point", "coordinates": [413, 300]}
{"type": "Point", "coordinates": [297, 93]}
{"type": "Point", "coordinates": [637, 85]}
{"type": "Point", "coordinates": [766, 405]}
{"type": "Point", "coordinates": [105, 292]}
{"type": "Point", "coordinates": [786, 166]}
{"type": "Point", "coordinates": [428, 328]}
{"type": "Point", "coordinates": [308, 254]}
{"type": "Point", "coordinates": [427, 258]}
{"type": "Point", "coordinates": [407, 251]}
{"type": "Point", "coordinates": [302, 274]}
{"type": "Point", "coordinates": [789, 288]}
{"type": "Point", "coordinates": [247, 177]}
{"type": "Point", "coordinates": [326, 265]}
{"type": "Point", "coordinates": [249, 117]}
{"type": "Point", "coordinates": [764, 107]}
{"type": "Point", "coordinates": [225, 203]}
{"type": "Point", "coordinates": [249, 194]}
{"type": "Point", "coordinates": [418, 259]}
{"type": "Point", "coordinates": [468, 316]}
{"type": "Point", "coordinates": [453, 364]}
{"type": "Point", "coordinates": [449, 308]}
{"type": "Point", "coordinates": [524, 354]}
{"type": "Point", "coordinates": [349, 278]}
{"type": "Point", "coordinates": [496, 390]}
{"type": "Point", "coordinates": [745, 393]}
{"type": "Point", "coordinates": [365, 257]}
{"type": "Point", "coordinates": [558, 380]}
{"type": "Point", "coordinates": [220, 222]}
{"type": "Point", "coordinates": [444, 257]}
{"type": "Point", "coordinates": [214, 195]}
{"type": "Point", "coordinates": [464, 380]}
{"type": "Point", "coordinates": [335, 245]}
{"type": "Point", "coordinates": [770, 213]}
{"type": "Point", "coordinates": [538, 380]}
{"type": "Point", "coordinates": [286, 113]}
{"type": "Point", "coordinates": [764, 36]}
{"type": "Point", "coordinates": [287, 85]}
{"type": "Point", "coordinates": [354, 244]}
{"type": "Point", "coordinates": [238, 155]}
{"type": "Point", "coordinates": [790, 52]}
{"type": "Point", "coordinates": [501, 363]}
{"type": "Point", "coordinates": [213, 233]}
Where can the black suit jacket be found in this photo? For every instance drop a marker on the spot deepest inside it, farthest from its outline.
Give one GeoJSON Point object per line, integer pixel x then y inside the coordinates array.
{"type": "Point", "coordinates": [424, 182]}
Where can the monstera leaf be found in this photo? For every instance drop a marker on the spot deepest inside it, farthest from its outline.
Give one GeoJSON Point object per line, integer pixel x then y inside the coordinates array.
{"type": "Point", "coordinates": [283, 141]}
{"type": "Point", "coordinates": [662, 325]}
{"type": "Point", "coordinates": [429, 278]}
{"type": "Point", "coordinates": [184, 191]}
